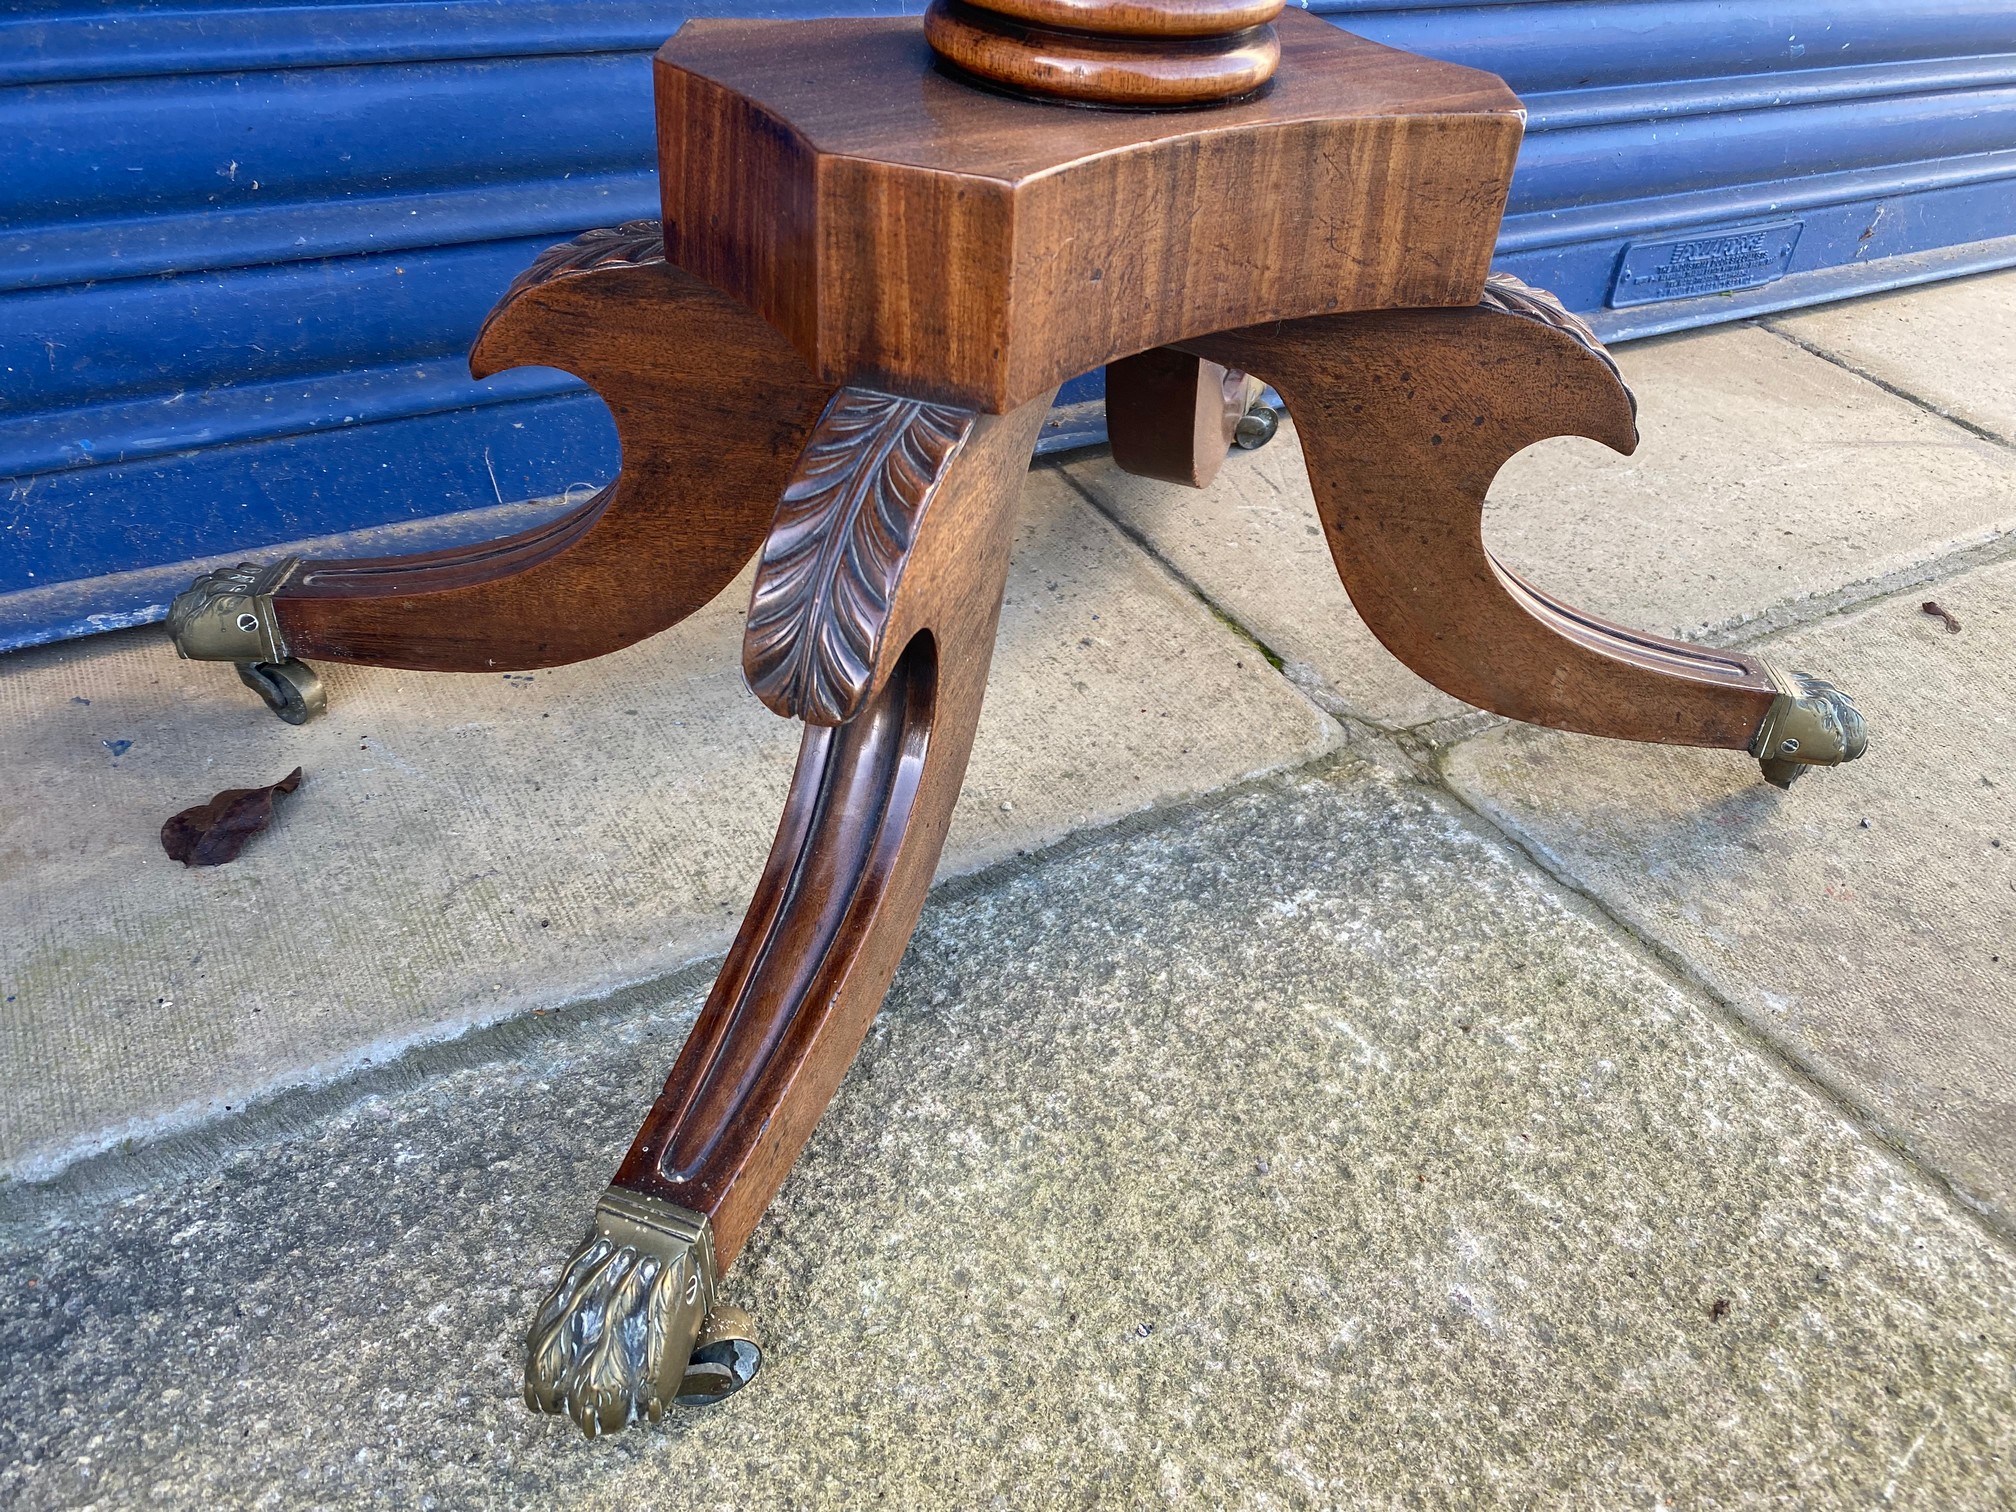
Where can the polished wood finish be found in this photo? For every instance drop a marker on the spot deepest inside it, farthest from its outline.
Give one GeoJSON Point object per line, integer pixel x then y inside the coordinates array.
{"type": "Point", "coordinates": [913, 234]}
{"type": "Point", "coordinates": [862, 831]}
{"type": "Point", "coordinates": [1171, 415]}
{"type": "Point", "coordinates": [1142, 18]}
{"type": "Point", "coordinates": [1089, 68]}
{"type": "Point", "coordinates": [711, 406]}
{"type": "Point", "coordinates": [1405, 417]}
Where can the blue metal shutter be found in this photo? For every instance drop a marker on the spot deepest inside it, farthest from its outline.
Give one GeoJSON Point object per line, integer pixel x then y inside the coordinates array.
{"type": "Point", "coordinates": [1689, 161]}
{"type": "Point", "coordinates": [243, 248]}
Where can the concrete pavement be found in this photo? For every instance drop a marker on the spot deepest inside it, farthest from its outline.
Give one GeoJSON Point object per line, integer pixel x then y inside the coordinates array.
{"type": "Point", "coordinates": [1305, 1148]}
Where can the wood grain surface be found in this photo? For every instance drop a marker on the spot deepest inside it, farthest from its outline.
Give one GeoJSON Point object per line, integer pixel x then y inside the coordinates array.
{"type": "Point", "coordinates": [1405, 417]}
{"type": "Point", "coordinates": [1172, 415]}
{"type": "Point", "coordinates": [862, 830]}
{"type": "Point", "coordinates": [910, 233]}
{"type": "Point", "coordinates": [711, 406]}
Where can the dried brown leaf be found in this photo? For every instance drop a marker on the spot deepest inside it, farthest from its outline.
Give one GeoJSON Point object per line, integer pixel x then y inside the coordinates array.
{"type": "Point", "coordinates": [1941, 612]}
{"type": "Point", "coordinates": [212, 833]}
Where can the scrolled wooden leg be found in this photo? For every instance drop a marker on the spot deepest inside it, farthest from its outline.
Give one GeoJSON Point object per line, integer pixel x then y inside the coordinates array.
{"type": "Point", "coordinates": [873, 619]}
{"type": "Point", "coordinates": [711, 406]}
{"type": "Point", "coordinates": [1405, 418]}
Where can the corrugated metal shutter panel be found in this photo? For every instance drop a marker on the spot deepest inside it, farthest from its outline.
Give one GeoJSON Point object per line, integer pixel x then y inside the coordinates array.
{"type": "Point", "coordinates": [244, 248]}
{"type": "Point", "coordinates": [1688, 161]}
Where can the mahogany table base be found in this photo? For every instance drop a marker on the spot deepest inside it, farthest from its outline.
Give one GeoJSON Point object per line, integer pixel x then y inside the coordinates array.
{"type": "Point", "coordinates": [876, 480]}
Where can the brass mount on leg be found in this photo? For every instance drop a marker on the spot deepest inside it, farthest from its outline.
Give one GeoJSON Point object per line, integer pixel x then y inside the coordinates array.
{"type": "Point", "coordinates": [228, 615]}
{"type": "Point", "coordinates": [1811, 723]}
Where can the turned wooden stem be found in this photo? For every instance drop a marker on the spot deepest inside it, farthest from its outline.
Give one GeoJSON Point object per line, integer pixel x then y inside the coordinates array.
{"type": "Point", "coordinates": [1130, 54]}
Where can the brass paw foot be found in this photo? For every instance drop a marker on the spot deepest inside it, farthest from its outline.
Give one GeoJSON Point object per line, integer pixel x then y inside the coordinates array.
{"type": "Point", "coordinates": [633, 1327]}
{"type": "Point", "coordinates": [1811, 723]}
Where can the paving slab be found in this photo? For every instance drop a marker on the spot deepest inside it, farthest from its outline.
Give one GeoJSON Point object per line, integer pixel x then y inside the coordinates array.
{"type": "Point", "coordinates": [468, 847]}
{"type": "Point", "coordinates": [1951, 345]}
{"type": "Point", "coordinates": [1305, 1149]}
{"type": "Point", "coordinates": [1866, 920]}
{"type": "Point", "coordinates": [1767, 478]}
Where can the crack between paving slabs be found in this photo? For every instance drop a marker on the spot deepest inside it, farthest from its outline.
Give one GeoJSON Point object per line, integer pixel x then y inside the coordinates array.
{"type": "Point", "coordinates": [1416, 753]}
{"type": "Point", "coordinates": [1675, 966]}
{"type": "Point", "coordinates": [1979, 431]}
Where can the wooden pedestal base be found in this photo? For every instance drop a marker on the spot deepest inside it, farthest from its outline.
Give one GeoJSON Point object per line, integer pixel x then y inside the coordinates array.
{"type": "Point", "coordinates": [873, 469]}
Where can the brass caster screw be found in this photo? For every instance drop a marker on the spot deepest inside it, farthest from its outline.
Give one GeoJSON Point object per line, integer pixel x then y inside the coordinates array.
{"type": "Point", "coordinates": [1256, 427]}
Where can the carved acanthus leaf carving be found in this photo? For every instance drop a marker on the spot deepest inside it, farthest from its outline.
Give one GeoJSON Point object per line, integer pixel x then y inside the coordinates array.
{"type": "Point", "coordinates": [1512, 296]}
{"type": "Point", "coordinates": [837, 548]}
{"type": "Point", "coordinates": [629, 245]}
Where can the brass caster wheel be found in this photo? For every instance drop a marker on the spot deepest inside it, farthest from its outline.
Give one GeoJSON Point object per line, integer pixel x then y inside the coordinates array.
{"type": "Point", "coordinates": [291, 688]}
{"type": "Point", "coordinates": [726, 1358]}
